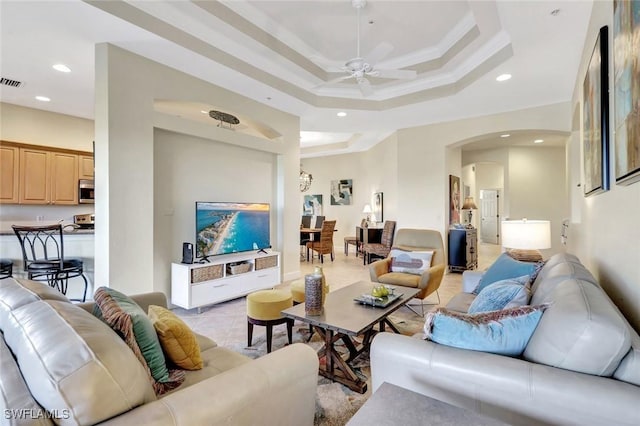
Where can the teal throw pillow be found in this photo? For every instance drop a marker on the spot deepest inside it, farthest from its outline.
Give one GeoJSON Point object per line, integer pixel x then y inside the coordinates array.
{"type": "Point", "coordinates": [504, 294]}
{"type": "Point", "coordinates": [505, 267]}
{"type": "Point", "coordinates": [128, 319]}
{"type": "Point", "coordinates": [505, 332]}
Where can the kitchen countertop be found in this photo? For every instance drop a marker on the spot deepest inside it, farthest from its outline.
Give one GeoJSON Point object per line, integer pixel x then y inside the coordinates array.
{"type": "Point", "coordinates": [69, 229]}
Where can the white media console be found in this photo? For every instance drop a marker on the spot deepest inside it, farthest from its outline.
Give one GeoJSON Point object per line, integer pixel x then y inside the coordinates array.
{"type": "Point", "coordinates": [224, 278]}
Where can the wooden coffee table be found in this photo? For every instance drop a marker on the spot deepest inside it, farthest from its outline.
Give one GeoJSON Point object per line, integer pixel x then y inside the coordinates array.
{"type": "Point", "coordinates": [343, 319]}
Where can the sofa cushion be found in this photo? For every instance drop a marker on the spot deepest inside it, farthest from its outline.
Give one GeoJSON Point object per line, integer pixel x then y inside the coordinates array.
{"type": "Point", "coordinates": [72, 361]}
{"type": "Point", "coordinates": [580, 321]}
{"type": "Point", "coordinates": [400, 278]}
{"type": "Point", "coordinates": [410, 262]}
{"type": "Point", "coordinates": [503, 294]}
{"type": "Point", "coordinates": [504, 332]}
{"type": "Point", "coordinates": [461, 302]}
{"type": "Point", "coordinates": [505, 267]}
{"type": "Point", "coordinates": [215, 360]}
{"type": "Point", "coordinates": [124, 315]}
{"type": "Point", "coordinates": [14, 393]}
{"type": "Point", "coordinates": [16, 293]}
{"type": "Point", "coordinates": [178, 342]}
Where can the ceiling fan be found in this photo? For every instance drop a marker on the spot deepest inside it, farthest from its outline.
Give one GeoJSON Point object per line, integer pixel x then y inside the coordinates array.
{"type": "Point", "coordinates": [360, 68]}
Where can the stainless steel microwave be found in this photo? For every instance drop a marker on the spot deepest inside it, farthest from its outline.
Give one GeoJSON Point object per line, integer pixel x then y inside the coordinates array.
{"type": "Point", "coordinates": [85, 191]}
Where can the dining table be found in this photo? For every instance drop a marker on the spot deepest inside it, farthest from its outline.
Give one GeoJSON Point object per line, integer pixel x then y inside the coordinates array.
{"type": "Point", "coordinates": [310, 234]}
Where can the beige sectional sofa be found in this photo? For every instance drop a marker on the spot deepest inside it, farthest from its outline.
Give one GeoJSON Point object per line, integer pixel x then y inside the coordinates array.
{"type": "Point", "coordinates": [581, 365]}
{"type": "Point", "coordinates": [58, 360]}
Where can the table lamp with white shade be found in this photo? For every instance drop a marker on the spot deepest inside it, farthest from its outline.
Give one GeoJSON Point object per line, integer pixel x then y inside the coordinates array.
{"type": "Point", "coordinates": [367, 210]}
{"type": "Point", "coordinates": [524, 238]}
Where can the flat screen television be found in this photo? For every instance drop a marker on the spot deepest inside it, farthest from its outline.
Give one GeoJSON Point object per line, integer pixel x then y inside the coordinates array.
{"type": "Point", "coordinates": [223, 228]}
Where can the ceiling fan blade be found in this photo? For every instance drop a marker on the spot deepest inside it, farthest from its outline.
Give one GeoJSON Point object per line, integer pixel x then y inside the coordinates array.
{"type": "Point", "coordinates": [396, 74]}
{"type": "Point", "coordinates": [338, 79]}
{"type": "Point", "coordinates": [379, 52]}
{"type": "Point", "coordinates": [365, 87]}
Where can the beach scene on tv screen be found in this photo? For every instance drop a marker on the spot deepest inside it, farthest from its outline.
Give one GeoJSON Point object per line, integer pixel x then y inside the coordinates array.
{"type": "Point", "coordinates": [223, 228]}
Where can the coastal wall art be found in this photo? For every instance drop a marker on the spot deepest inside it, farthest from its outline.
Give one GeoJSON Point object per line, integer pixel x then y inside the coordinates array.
{"type": "Point", "coordinates": [312, 205]}
{"type": "Point", "coordinates": [626, 77]}
{"type": "Point", "coordinates": [377, 207]}
{"type": "Point", "coordinates": [595, 116]}
{"type": "Point", "coordinates": [454, 199]}
{"type": "Point", "coordinates": [341, 192]}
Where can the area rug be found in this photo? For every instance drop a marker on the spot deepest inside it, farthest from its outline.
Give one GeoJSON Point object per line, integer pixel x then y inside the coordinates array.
{"type": "Point", "coordinates": [335, 403]}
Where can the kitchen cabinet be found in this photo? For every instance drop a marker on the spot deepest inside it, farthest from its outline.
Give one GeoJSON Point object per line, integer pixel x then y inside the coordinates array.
{"type": "Point", "coordinates": [9, 174]}
{"type": "Point", "coordinates": [48, 177]}
{"type": "Point", "coordinates": [85, 166]}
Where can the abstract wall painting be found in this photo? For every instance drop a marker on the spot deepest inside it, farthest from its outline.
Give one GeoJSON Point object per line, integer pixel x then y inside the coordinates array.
{"type": "Point", "coordinates": [626, 66]}
{"type": "Point", "coordinates": [341, 192]}
{"type": "Point", "coordinates": [313, 205]}
{"type": "Point", "coordinates": [595, 124]}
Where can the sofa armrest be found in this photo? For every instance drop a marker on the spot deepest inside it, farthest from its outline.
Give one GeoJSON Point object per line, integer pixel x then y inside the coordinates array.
{"type": "Point", "coordinates": [276, 389]}
{"type": "Point", "coordinates": [470, 280]}
{"type": "Point", "coordinates": [378, 268]}
{"type": "Point", "coordinates": [511, 389]}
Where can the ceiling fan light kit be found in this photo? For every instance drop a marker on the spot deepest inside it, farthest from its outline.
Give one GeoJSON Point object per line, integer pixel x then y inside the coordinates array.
{"type": "Point", "coordinates": [360, 68]}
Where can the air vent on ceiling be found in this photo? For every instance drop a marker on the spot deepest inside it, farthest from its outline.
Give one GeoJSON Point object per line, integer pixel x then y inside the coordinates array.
{"type": "Point", "coordinates": [10, 82]}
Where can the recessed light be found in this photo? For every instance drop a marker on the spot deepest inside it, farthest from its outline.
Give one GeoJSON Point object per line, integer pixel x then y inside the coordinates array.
{"type": "Point", "coordinates": [204, 112]}
{"type": "Point", "coordinates": [538, 141]}
{"type": "Point", "coordinates": [506, 135]}
{"type": "Point", "coordinates": [43, 98]}
{"type": "Point", "coordinates": [61, 68]}
{"type": "Point", "coordinates": [503, 77]}
{"type": "Point", "coordinates": [341, 114]}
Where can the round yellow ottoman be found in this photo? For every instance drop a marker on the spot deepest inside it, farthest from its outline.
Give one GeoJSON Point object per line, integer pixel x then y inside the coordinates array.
{"type": "Point", "coordinates": [264, 307]}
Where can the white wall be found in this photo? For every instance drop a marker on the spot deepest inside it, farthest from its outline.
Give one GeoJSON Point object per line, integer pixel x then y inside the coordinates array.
{"type": "Point", "coordinates": [533, 183]}
{"type": "Point", "coordinates": [604, 229]}
{"type": "Point", "coordinates": [186, 171]}
{"type": "Point", "coordinates": [126, 87]}
{"type": "Point", "coordinates": [37, 127]}
{"type": "Point", "coordinates": [372, 171]}
{"type": "Point", "coordinates": [424, 163]}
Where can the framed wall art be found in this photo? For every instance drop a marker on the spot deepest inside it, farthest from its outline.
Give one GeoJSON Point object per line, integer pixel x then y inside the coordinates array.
{"type": "Point", "coordinates": [626, 83]}
{"type": "Point", "coordinates": [454, 199]}
{"type": "Point", "coordinates": [313, 205]}
{"type": "Point", "coordinates": [376, 207]}
{"type": "Point", "coordinates": [341, 192]}
{"type": "Point", "coordinates": [595, 113]}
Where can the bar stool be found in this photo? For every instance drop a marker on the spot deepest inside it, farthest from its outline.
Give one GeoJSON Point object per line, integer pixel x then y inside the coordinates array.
{"type": "Point", "coordinates": [263, 308]}
{"type": "Point", "coordinates": [43, 257]}
{"type": "Point", "coordinates": [6, 268]}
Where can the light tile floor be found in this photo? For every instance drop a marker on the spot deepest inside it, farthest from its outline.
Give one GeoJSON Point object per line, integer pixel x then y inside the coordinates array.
{"type": "Point", "coordinates": [226, 323]}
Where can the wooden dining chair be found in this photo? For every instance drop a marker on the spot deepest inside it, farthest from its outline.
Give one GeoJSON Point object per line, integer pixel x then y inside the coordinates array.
{"type": "Point", "coordinates": [325, 244]}
{"type": "Point", "coordinates": [383, 248]}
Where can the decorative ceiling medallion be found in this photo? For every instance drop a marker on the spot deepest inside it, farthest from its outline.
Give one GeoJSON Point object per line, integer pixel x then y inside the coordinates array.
{"type": "Point", "coordinates": [224, 117]}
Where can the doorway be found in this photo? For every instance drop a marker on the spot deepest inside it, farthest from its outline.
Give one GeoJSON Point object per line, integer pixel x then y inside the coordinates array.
{"type": "Point", "coordinates": [489, 216]}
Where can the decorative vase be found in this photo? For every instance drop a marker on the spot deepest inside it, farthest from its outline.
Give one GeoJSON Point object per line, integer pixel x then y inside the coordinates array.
{"type": "Point", "coordinates": [325, 288]}
{"type": "Point", "coordinates": [313, 294]}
